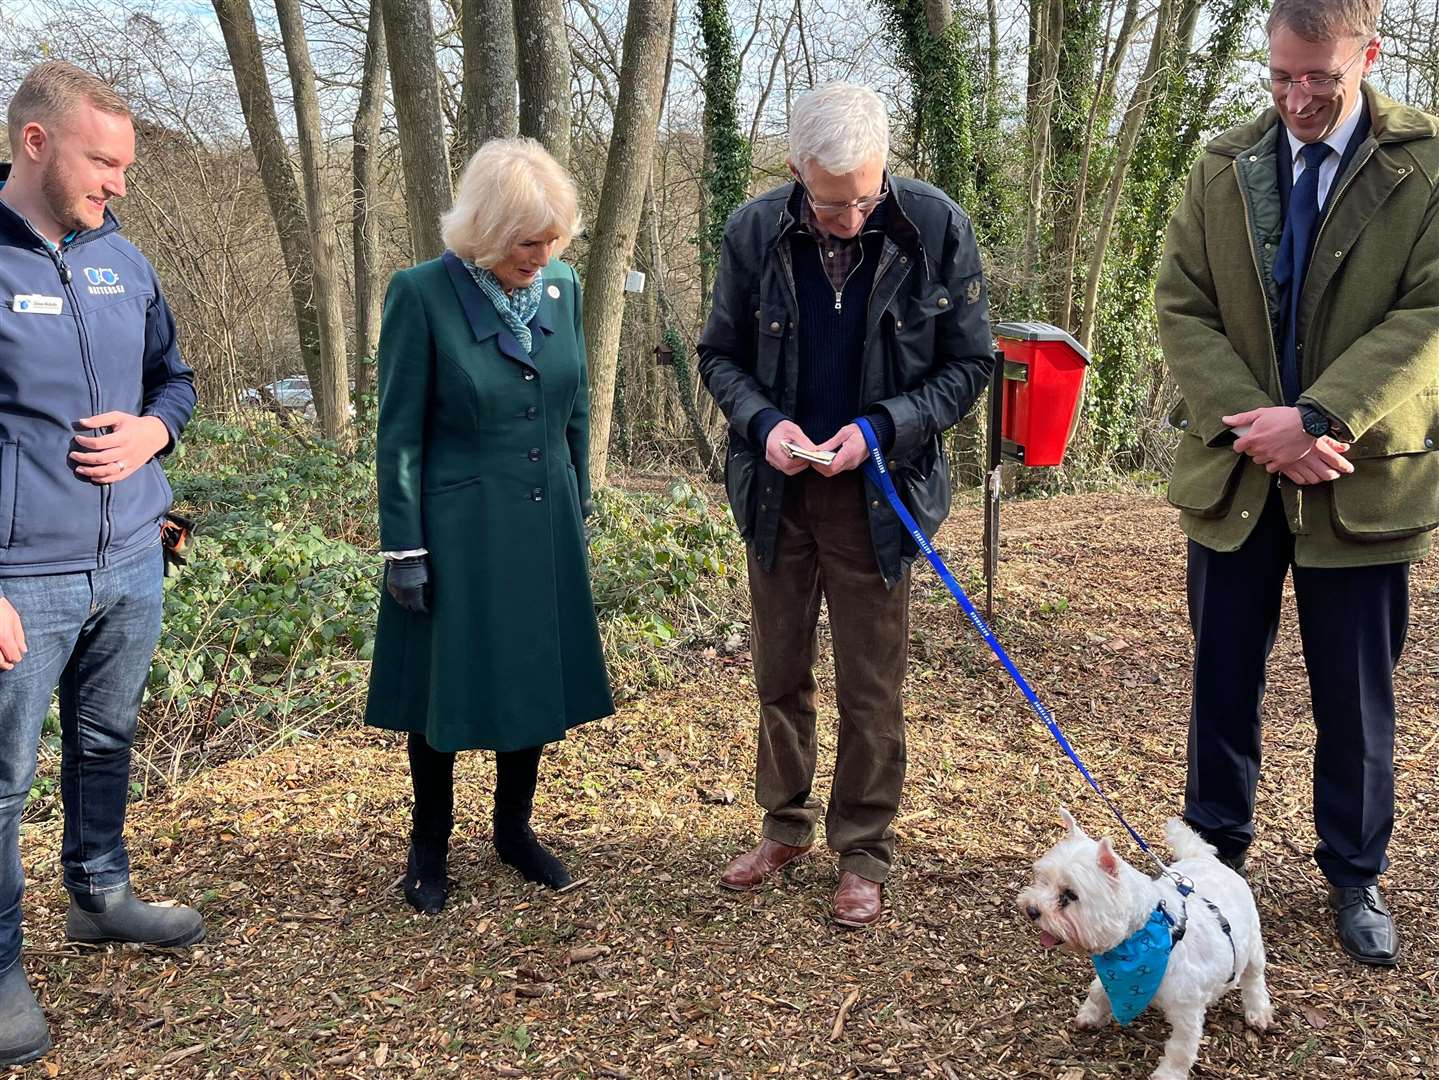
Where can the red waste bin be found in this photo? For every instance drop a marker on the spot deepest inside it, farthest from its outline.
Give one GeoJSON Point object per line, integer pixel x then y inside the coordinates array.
{"type": "Point", "coordinates": [1044, 370]}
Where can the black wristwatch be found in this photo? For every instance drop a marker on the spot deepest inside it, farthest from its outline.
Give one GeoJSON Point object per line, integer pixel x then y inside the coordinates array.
{"type": "Point", "coordinates": [1315, 421]}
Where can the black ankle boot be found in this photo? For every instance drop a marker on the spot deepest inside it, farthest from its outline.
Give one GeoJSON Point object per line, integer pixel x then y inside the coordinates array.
{"type": "Point", "coordinates": [427, 883]}
{"type": "Point", "coordinates": [516, 774]}
{"type": "Point", "coordinates": [517, 846]}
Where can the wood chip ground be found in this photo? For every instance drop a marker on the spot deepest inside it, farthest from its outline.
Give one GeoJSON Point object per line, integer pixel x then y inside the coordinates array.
{"type": "Point", "coordinates": [314, 967]}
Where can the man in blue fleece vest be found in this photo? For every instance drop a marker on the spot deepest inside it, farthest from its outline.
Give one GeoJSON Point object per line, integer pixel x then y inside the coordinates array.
{"type": "Point", "coordinates": [92, 394]}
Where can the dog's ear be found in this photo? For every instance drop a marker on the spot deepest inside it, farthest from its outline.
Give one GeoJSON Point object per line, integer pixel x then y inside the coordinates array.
{"type": "Point", "coordinates": [1075, 832]}
{"type": "Point", "coordinates": [1108, 860]}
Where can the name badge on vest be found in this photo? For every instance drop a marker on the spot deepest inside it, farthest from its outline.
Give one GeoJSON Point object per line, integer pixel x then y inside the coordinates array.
{"type": "Point", "coordinates": [34, 304]}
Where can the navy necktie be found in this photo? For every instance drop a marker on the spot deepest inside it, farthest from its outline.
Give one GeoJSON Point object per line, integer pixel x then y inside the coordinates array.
{"type": "Point", "coordinates": [1295, 247]}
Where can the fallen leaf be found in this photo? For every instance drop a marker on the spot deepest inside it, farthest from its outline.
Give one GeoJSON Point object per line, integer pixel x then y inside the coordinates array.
{"type": "Point", "coordinates": [583, 954]}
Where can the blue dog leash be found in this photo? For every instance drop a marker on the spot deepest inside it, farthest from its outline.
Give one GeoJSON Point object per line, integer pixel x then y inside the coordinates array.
{"type": "Point", "coordinates": [878, 472]}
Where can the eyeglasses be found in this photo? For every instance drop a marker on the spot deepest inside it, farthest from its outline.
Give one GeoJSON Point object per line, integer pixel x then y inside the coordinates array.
{"type": "Point", "coordinates": [864, 206]}
{"type": "Point", "coordinates": [1316, 86]}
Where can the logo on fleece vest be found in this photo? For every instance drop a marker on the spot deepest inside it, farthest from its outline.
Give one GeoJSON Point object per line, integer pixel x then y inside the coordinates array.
{"type": "Point", "coordinates": [103, 281]}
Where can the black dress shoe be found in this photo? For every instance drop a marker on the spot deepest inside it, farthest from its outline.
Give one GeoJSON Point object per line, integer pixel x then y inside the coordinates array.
{"type": "Point", "coordinates": [1364, 925]}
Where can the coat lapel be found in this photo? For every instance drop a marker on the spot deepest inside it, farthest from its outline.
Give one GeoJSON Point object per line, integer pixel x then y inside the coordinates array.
{"type": "Point", "coordinates": [544, 323]}
{"type": "Point", "coordinates": [484, 320]}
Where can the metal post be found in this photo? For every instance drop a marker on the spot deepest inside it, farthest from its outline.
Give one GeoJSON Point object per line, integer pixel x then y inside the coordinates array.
{"type": "Point", "coordinates": [992, 477]}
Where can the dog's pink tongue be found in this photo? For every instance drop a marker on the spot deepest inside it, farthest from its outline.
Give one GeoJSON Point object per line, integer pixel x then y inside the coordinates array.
{"type": "Point", "coordinates": [1048, 940]}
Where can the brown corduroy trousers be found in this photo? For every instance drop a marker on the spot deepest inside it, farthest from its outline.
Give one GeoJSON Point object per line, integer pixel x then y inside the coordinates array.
{"type": "Point", "coordinates": [824, 549]}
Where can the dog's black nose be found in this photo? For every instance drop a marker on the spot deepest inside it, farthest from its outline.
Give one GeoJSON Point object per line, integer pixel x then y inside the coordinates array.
{"type": "Point", "coordinates": [1032, 912]}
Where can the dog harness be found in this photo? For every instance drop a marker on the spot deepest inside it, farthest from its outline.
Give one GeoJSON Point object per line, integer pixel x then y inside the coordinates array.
{"type": "Point", "coordinates": [1132, 971]}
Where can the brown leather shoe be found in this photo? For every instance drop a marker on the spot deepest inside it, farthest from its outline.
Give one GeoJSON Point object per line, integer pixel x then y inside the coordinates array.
{"type": "Point", "coordinates": [747, 872]}
{"type": "Point", "coordinates": [857, 902]}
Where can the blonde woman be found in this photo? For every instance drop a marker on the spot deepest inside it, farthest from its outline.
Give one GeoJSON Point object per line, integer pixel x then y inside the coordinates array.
{"type": "Point", "coordinates": [487, 636]}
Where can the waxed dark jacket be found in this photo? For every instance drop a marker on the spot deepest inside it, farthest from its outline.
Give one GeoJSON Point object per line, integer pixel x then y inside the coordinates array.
{"type": "Point", "coordinates": [926, 359]}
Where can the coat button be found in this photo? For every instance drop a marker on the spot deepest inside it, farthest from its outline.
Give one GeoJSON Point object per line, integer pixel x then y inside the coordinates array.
{"type": "Point", "coordinates": [1339, 254]}
{"type": "Point", "coordinates": [529, 375]}
{"type": "Point", "coordinates": [1244, 514]}
{"type": "Point", "coordinates": [535, 453]}
{"type": "Point", "coordinates": [538, 494]}
{"type": "Point", "coordinates": [1183, 424]}
{"type": "Point", "coordinates": [944, 301]}
{"type": "Point", "coordinates": [764, 506]}
{"type": "Point", "coordinates": [904, 258]}
{"type": "Point", "coordinates": [769, 489]}
{"type": "Point", "coordinates": [1428, 444]}
{"type": "Point", "coordinates": [531, 413]}
{"type": "Point", "coordinates": [875, 503]}
{"type": "Point", "coordinates": [899, 324]}
{"type": "Point", "coordinates": [774, 328]}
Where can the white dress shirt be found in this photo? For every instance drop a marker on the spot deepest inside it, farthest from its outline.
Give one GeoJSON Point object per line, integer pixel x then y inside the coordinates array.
{"type": "Point", "coordinates": [1338, 141]}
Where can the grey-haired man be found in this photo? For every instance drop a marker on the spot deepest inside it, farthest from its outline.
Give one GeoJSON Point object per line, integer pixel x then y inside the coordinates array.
{"type": "Point", "coordinates": [848, 293]}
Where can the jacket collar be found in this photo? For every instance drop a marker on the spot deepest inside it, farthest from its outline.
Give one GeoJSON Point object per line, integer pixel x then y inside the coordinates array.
{"type": "Point", "coordinates": [1389, 122]}
{"type": "Point", "coordinates": [18, 230]}
{"type": "Point", "coordinates": [485, 321]}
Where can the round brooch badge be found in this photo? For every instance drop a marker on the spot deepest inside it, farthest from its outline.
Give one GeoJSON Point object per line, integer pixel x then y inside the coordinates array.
{"type": "Point", "coordinates": [554, 291]}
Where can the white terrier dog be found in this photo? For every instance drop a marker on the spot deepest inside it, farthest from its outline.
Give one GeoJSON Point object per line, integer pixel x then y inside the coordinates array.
{"type": "Point", "coordinates": [1086, 900]}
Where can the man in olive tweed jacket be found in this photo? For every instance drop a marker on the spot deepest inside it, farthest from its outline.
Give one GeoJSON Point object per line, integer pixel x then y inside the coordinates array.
{"type": "Point", "coordinates": [1298, 309]}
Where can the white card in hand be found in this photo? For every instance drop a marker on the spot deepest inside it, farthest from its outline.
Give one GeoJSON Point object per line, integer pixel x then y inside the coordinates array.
{"type": "Point", "coordinates": [820, 457]}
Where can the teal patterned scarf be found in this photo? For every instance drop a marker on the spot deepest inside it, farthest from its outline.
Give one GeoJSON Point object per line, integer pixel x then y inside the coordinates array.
{"type": "Point", "coordinates": [516, 309]}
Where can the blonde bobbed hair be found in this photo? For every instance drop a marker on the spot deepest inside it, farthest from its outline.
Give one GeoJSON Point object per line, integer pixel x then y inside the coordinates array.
{"type": "Point", "coordinates": [511, 190]}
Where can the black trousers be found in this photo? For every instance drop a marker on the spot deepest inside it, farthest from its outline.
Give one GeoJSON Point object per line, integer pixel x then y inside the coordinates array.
{"type": "Point", "coordinates": [1352, 623]}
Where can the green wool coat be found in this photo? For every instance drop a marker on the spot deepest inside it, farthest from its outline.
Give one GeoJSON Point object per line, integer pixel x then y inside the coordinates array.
{"type": "Point", "coordinates": [483, 461]}
{"type": "Point", "coordinates": [1368, 330]}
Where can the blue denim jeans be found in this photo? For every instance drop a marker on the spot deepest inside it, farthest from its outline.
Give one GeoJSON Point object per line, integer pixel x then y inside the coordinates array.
{"type": "Point", "coordinates": [92, 634]}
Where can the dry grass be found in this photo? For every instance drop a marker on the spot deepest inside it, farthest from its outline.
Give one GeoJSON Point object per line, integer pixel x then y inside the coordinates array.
{"type": "Point", "coordinates": [314, 967]}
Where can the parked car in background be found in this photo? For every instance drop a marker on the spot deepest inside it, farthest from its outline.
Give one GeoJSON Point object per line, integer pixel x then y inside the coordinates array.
{"type": "Point", "coordinates": [292, 392]}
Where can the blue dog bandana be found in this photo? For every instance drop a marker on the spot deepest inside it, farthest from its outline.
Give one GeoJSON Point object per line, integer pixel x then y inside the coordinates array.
{"type": "Point", "coordinates": [1132, 971]}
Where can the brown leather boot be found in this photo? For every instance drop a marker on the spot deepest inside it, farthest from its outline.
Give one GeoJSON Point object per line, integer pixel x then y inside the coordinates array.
{"type": "Point", "coordinates": [747, 872]}
{"type": "Point", "coordinates": [857, 902]}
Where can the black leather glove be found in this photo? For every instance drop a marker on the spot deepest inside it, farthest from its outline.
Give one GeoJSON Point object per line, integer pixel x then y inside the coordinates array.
{"type": "Point", "coordinates": [408, 581]}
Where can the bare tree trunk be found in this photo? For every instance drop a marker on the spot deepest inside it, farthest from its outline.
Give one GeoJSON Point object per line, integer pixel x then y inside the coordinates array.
{"type": "Point", "coordinates": [939, 14]}
{"type": "Point", "coordinates": [410, 38]}
{"type": "Point", "coordinates": [272, 157]}
{"type": "Point", "coordinates": [487, 34]}
{"type": "Point", "coordinates": [627, 168]}
{"type": "Point", "coordinates": [544, 77]}
{"type": "Point", "coordinates": [991, 89]}
{"type": "Point", "coordinates": [1048, 29]}
{"type": "Point", "coordinates": [366, 224]}
{"type": "Point", "coordinates": [1128, 133]}
{"type": "Point", "coordinates": [332, 392]}
{"type": "Point", "coordinates": [1099, 108]}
